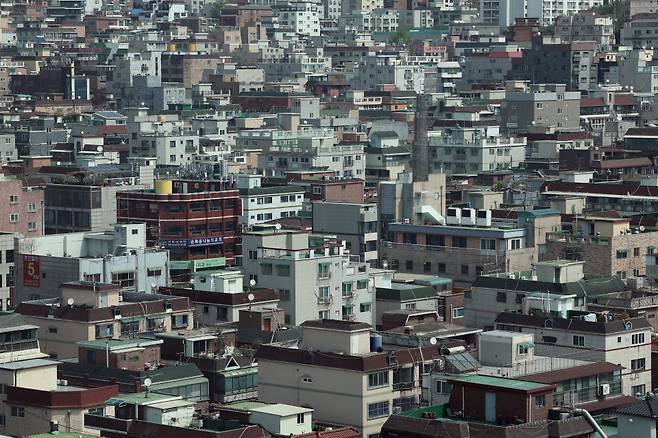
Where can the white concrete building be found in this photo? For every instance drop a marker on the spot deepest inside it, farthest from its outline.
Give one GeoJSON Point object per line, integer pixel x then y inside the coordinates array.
{"type": "Point", "coordinates": [301, 16]}
{"type": "Point", "coordinates": [505, 12]}
{"type": "Point", "coordinates": [263, 204]}
{"type": "Point", "coordinates": [313, 275]}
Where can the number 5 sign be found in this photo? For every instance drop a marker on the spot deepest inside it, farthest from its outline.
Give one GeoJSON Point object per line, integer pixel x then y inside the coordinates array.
{"type": "Point", "coordinates": [31, 271]}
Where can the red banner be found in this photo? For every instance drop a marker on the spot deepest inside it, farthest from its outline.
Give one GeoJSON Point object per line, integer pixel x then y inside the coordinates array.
{"type": "Point", "coordinates": [31, 271]}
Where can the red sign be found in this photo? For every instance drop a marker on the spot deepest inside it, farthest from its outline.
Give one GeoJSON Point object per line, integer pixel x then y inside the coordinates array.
{"type": "Point", "coordinates": [31, 271]}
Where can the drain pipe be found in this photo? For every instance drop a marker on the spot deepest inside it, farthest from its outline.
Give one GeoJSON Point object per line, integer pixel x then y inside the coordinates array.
{"type": "Point", "coordinates": [591, 421]}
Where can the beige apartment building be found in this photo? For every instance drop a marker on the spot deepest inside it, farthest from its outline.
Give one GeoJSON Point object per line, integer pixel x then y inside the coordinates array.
{"type": "Point", "coordinates": [609, 246]}
{"type": "Point", "coordinates": [86, 311]}
{"type": "Point", "coordinates": [336, 373]}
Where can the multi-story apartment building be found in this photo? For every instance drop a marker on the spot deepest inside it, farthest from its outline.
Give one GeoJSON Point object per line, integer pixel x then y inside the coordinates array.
{"type": "Point", "coordinates": [378, 69]}
{"type": "Point", "coordinates": [313, 274]}
{"type": "Point", "coordinates": [306, 149]}
{"type": "Point", "coordinates": [8, 151]}
{"type": "Point", "coordinates": [197, 221]}
{"type": "Point", "coordinates": [350, 6]}
{"type": "Point", "coordinates": [118, 256]}
{"type": "Point", "coordinates": [356, 224]}
{"type": "Point", "coordinates": [462, 250]}
{"type": "Point", "coordinates": [7, 269]}
{"type": "Point", "coordinates": [85, 311]}
{"type": "Point", "coordinates": [263, 204]}
{"type": "Point", "coordinates": [609, 246]}
{"type": "Point", "coordinates": [549, 106]}
{"type": "Point", "coordinates": [586, 26]}
{"type": "Point", "coordinates": [592, 337]}
{"type": "Point", "coordinates": [638, 32]}
{"type": "Point", "coordinates": [335, 372]}
{"type": "Point", "coordinates": [473, 150]}
{"type": "Point", "coordinates": [22, 210]}
{"type": "Point", "coordinates": [636, 68]}
{"type": "Point", "coordinates": [72, 208]}
{"type": "Point", "coordinates": [505, 12]}
{"type": "Point", "coordinates": [300, 16]}
{"type": "Point", "coordinates": [557, 285]}
{"type": "Point", "coordinates": [33, 399]}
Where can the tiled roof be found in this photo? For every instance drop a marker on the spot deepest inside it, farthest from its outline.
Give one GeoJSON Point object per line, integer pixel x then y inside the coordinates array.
{"type": "Point", "coordinates": [573, 373]}
{"type": "Point", "coordinates": [646, 408]}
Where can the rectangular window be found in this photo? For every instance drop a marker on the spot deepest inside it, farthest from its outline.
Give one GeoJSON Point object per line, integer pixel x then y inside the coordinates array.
{"type": "Point", "coordinates": [284, 294]}
{"type": "Point", "coordinates": [638, 390]}
{"type": "Point", "coordinates": [622, 253]}
{"type": "Point", "coordinates": [465, 269]}
{"type": "Point", "coordinates": [540, 401]}
{"type": "Point", "coordinates": [153, 272]}
{"type": "Point", "coordinates": [488, 244]}
{"type": "Point", "coordinates": [637, 338]}
{"type": "Point", "coordinates": [104, 331]}
{"type": "Point", "coordinates": [300, 418]}
{"type": "Point", "coordinates": [638, 364]}
{"type": "Point", "coordinates": [13, 199]}
{"type": "Point", "coordinates": [266, 269]}
{"type": "Point", "coordinates": [457, 312]}
{"type": "Point", "coordinates": [378, 379]}
{"type": "Point", "coordinates": [378, 410]}
{"type": "Point", "coordinates": [347, 288]}
{"type": "Point", "coordinates": [578, 340]}
{"type": "Point", "coordinates": [179, 321]}
{"type": "Point", "coordinates": [442, 267]}
{"type": "Point", "coordinates": [324, 270]}
{"type": "Point", "coordinates": [13, 218]}
{"type": "Point", "coordinates": [362, 284]}
{"type": "Point", "coordinates": [123, 279]}
{"type": "Point", "coordinates": [31, 208]}
{"type": "Point", "coordinates": [17, 411]}
{"type": "Point", "coordinates": [364, 307]}
{"type": "Point", "coordinates": [283, 270]}
{"type": "Point", "coordinates": [636, 252]}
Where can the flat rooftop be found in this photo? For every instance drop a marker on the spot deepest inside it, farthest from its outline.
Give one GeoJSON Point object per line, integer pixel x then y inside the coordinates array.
{"type": "Point", "coordinates": [499, 382]}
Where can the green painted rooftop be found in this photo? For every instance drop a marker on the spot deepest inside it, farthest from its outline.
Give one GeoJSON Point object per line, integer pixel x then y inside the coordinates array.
{"type": "Point", "coordinates": [438, 410]}
{"type": "Point", "coordinates": [520, 385]}
{"type": "Point", "coordinates": [247, 405]}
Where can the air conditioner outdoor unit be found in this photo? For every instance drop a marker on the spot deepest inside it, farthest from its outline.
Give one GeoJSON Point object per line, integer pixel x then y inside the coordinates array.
{"type": "Point", "coordinates": [604, 389]}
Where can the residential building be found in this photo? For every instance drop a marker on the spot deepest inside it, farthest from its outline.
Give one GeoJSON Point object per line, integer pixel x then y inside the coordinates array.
{"type": "Point", "coordinates": [472, 150]}
{"type": "Point", "coordinates": [86, 311]}
{"type": "Point", "coordinates": [313, 275]}
{"type": "Point", "coordinates": [72, 208]}
{"type": "Point", "coordinates": [386, 163]}
{"type": "Point", "coordinates": [7, 269]}
{"type": "Point", "coordinates": [556, 285]}
{"type": "Point", "coordinates": [307, 149]}
{"type": "Point", "coordinates": [624, 341]}
{"type": "Point", "coordinates": [462, 250]}
{"type": "Point", "coordinates": [219, 297]}
{"type": "Point", "coordinates": [118, 256]}
{"type": "Point", "coordinates": [636, 68]}
{"type": "Point", "coordinates": [197, 221]}
{"type": "Point", "coordinates": [263, 204]}
{"type": "Point", "coordinates": [356, 224]}
{"type": "Point", "coordinates": [335, 373]}
{"type": "Point", "coordinates": [22, 210]}
{"type": "Point", "coordinates": [609, 246]}
{"type": "Point", "coordinates": [638, 31]}
{"type": "Point", "coordinates": [586, 26]}
{"type": "Point", "coordinates": [505, 12]}
{"type": "Point", "coordinates": [541, 106]}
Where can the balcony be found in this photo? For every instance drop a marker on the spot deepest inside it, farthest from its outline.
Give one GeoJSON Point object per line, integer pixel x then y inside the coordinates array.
{"type": "Point", "coordinates": [585, 395]}
{"type": "Point", "coordinates": [403, 386]}
{"type": "Point", "coordinates": [27, 344]}
{"type": "Point", "coordinates": [324, 301]}
{"type": "Point", "coordinates": [577, 238]}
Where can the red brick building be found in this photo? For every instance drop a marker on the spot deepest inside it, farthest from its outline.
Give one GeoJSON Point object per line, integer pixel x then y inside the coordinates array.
{"type": "Point", "coordinates": [196, 220]}
{"type": "Point", "coordinates": [21, 208]}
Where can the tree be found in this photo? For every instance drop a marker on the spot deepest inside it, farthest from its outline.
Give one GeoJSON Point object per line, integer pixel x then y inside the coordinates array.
{"type": "Point", "coordinates": [619, 10]}
{"type": "Point", "coordinates": [400, 37]}
{"type": "Point", "coordinates": [215, 9]}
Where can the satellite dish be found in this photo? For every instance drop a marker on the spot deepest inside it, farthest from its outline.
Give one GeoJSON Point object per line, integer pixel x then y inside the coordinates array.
{"type": "Point", "coordinates": [642, 228]}
{"type": "Point", "coordinates": [147, 382]}
{"type": "Point", "coordinates": [433, 340]}
{"type": "Point", "coordinates": [252, 282]}
{"type": "Point", "coordinates": [250, 297]}
{"type": "Point", "coordinates": [70, 301]}
{"type": "Point", "coordinates": [99, 148]}
{"type": "Point", "coordinates": [277, 226]}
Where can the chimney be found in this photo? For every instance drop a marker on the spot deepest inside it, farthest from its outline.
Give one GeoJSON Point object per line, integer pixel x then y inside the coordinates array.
{"type": "Point", "coordinates": [420, 152]}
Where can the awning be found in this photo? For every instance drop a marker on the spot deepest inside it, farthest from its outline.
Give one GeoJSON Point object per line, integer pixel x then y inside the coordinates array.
{"type": "Point", "coordinates": [527, 345]}
{"type": "Point", "coordinates": [178, 383]}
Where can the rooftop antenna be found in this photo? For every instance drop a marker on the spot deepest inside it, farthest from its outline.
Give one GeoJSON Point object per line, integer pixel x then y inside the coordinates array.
{"type": "Point", "coordinates": [251, 297]}
{"type": "Point", "coordinates": [147, 382]}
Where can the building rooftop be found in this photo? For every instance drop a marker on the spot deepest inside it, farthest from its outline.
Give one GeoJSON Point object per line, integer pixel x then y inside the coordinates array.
{"type": "Point", "coordinates": [119, 344]}
{"type": "Point", "coordinates": [337, 324]}
{"type": "Point", "coordinates": [281, 409]}
{"type": "Point", "coordinates": [27, 364]}
{"type": "Point", "coordinates": [499, 382]}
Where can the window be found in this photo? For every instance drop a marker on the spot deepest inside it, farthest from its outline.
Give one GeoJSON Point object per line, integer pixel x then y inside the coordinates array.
{"type": "Point", "coordinates": [523, 349]}
{"type": "Point", "coordinates": [283, 270]}
{"type": "Point", "coordinates": [13, 218]}
{"type": "Point", "coordinates": [31, 226]}
{"type": "Point", "coordinates": [13, 199]}
{"type": "Point", "coordinates": [17, 411]}
{"type": "Point", "coordinates": [457, 312]}
{"type": "Point", "coordinates": [638, 390]}
{"type": "Point", "coordinates": [179, 321]}
{"type": "Point", "coordinates": [347, 288]}
{"type": "Point", "coordinates": [9, 256]}
{"type": "Point", "coordinates": [284, 294]}
{"type": "Point", "coordinates": [130, 327]}
{"type": "Point", "coordinates": [409, 265]}
{"type": "Point", "coordinates": [362, 284]}
{"type": "Point", "coordinates": [442, 267]}
{"type": "Point", "coordinates": [489, 244]}
{"type": "Point", "coordinates": [2, 420]}
{"type": "Point", "coordinates": [621, 275]}
{"type": "Point", "coordinates": [443, 387]}
{"type": "Point", "coordinates": [378, 410]}
{"type": "Point", "coordinates": [427, 266]}
{"type": "Point", "coordinates": [323, 270]}
{"type": "Point", "coordinates": [636, 252]}
{"type": "Point", "coordinates": [31, 208]}
{"type": "Point", "coordinates": [91, 356]}
{"type": "Point", "coordinates": [253, 255]}
{"type": "Point", "coordinates": [323, 314]}
{"type": "Point", "coordinates": [300, 418]}
{"type": "Point", "coordinates": [622, 253]}
{"type": "Point", "coordinates": [638, 364]}
{"type": "Point", "coordinates": [154, 272]}
{"type": "Point", "coordinates": [540, 401]}
{"type": "Point", "coordinates": [501, 297]}
{"type": "Point", "coordinates": [52, 329]}
{"type": "Point", "coordinates": [104, 331]}
{"type": "Point", "coordinates": [123, 279]}
{"type": "Point", "coordinates": [364, 307]}
{"type": "Point", "coordinates": [578, 340]}
{"type": "Point", "coordinates": [347, 312]}
{"type": "Point", "coordinates": [515, 244]}
{"type": "Point", "coordinates": [378, 379]}
{"type": "Point", "coordinates": [637, 338]}
{"type": "Point", "coordinates": [266, 269]}
{"type": "Point", "coordinates": [465, 269]}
